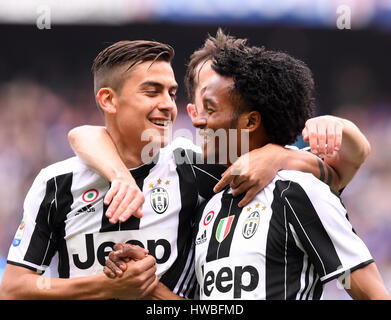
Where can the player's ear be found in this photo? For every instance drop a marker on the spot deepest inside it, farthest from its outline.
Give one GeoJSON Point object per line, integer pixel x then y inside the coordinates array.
{"type": "Point", "coordinates": [191, 111]}
{"type": "Point", "coordinates": [107, 99]}
{"type": "Point", "coordinates": [250, 120]}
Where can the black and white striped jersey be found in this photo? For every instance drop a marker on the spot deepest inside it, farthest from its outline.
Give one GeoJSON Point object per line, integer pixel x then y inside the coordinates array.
{"type": "Point", "coordinates": [286, 244]}
{"type": "Point", "coordinates": [64, 213]}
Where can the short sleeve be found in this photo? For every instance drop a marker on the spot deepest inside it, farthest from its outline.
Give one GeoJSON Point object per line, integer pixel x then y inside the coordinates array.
{"type": "Point", "coordinates": [32, 245]}
{"type": "Point", "coordinates": [319, 221]}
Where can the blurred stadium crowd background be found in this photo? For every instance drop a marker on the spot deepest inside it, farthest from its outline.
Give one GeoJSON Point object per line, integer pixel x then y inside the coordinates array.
{"type": "Point", "coordinates": [46, 86]}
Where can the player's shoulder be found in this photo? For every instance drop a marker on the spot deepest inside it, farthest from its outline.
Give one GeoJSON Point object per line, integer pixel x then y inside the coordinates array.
{"type": "Point", "coordinates": [183, 143]}
{"type": "Point", "coordinates": [71, 165]}
{"type": "Point", "coordinates": [286, 180]}
{"type": "Point", "coordinates": [183, 150]}
{"type": "Point", "coordinates": [299, 177]}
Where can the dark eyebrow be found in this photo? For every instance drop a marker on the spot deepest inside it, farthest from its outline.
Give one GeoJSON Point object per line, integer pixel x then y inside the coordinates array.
{"type": "Point", "coordinates": [157, 85]}
{"type": "Point", "coordinates": [209, 101]}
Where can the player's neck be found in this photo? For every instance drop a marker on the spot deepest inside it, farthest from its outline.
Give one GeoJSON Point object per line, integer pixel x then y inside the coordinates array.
{"type": "Point", "coordinates": [131, 156]}
{"type": "Point", "coordinates": [130, 150]}
{"type": "Point", "coordinates": [258, 139]}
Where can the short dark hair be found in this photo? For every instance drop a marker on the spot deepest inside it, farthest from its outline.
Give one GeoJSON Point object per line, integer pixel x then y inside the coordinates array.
{"type": "Point", "coordinates": [106, 66]}
{"type": "Point", "coordinates": [273, 83]}
{"type": "Point", "coordinates": [212, 45]}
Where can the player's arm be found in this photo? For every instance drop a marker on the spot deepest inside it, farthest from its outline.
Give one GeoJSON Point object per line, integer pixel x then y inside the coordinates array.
{"type": "Point", "coordinates": [161, 292]}
{"type": "Point", "coordinates": [34, 246]}
{"type": "Point", "coordinates": [21, 283]}
{"type": "Point", "coordinates": [95, 147]}
{"type": "Point", "coordinates": [320, 226]}
{"type": "Point", "coordinates": [254, 170]}
{"type": "Point", "coordinates": [366, 284]}
{"type": "Point", "coordinates": [258, 167]}
{"type": "Point", "coordinates": [340, 143]}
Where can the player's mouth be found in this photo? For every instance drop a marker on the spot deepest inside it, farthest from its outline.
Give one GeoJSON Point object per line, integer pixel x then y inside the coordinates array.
{"type": "Point", "coordinates": [207, 135]}
{"type": "Point", "coordinates": [161, 123]}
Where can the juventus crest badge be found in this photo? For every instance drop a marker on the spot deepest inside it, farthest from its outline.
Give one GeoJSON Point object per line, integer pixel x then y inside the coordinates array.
{"type": "Point", "coordinates": [159, 196]}
{"type": "Point", "coordinates": [250, 225]}
{"type": "Point", "coordinates": [159, 199]}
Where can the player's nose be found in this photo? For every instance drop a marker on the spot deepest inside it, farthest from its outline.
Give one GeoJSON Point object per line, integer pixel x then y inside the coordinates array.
{"type": "Point", "coordinates": [167, 102]}
{"type": "Point", "coordinates": [199, 121]}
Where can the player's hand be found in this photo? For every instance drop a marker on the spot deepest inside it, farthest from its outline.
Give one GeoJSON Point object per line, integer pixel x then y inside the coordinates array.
{"type": "Point", "coordinates": [116, 263]}
{"type": "Point", "coordinates": [324, 135]}
{"type": "Point", "coordinates": [252, 172]}
{"type": "Point", "coordinates": [125, 199]}
{"type": "Point", "coordinates": [138, 281]}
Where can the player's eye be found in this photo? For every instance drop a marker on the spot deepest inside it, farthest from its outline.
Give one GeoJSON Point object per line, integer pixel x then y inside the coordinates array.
{"type": "Point", "coordinates": [151, 92]}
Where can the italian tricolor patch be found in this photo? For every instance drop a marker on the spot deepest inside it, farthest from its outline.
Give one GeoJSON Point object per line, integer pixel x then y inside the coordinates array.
{"type": "Point", "coordinates": [223, 228]}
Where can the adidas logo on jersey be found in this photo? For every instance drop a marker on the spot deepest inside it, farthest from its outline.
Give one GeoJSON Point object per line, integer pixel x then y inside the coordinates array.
{"type": "Point", "coordinates": [87, 208]}
{"type": "Point", "coordinates": [202, 238]}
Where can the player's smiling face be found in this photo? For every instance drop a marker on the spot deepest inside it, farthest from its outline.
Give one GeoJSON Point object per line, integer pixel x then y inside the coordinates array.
{"type": "Point", "coordinates": [147, 101]}
{"type": "Point", "coordinates": [213, 109]}
{"type": "Point", "coordinates": [217, 109]}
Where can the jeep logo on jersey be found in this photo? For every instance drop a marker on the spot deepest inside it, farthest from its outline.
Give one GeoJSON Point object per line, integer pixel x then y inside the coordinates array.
{"type": "Point", "coordinates": [159, 200]}
{"type": "Point", "coordinates": [250, 225]}
{"type": "Point", "coordinates": [159, 248]}
{"type": "Point", "coordinates": [87, 253]}
{"type": "Point", "coordinates": [224, 228]}
{"type": "Point", "coordinates": [231, 281]}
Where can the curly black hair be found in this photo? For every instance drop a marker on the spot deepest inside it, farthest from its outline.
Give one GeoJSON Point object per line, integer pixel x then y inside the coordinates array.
{"type": "Point", "coordinates": [211, 46]}
{"type": "Point", "coordinates": [273, 83]}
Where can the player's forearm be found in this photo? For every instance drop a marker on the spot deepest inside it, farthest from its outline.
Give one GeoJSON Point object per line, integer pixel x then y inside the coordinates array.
{"type": "Point", "coordinates": [161, 292]}
{"type": "Point", "coordinates": [95, 147]}
{"type": "Point", "coordinates": [34, 287]}
{"type": "Point", "coordinates": [92, 287]}
{"type": "Point", "coordinates": [354, 150]}
{"type": "Point", "coordinates": [366, 284]}
{"type": "Point", "coordinates": [39, 287]}
{"type": "Point", "coordinates": [307, 162]}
